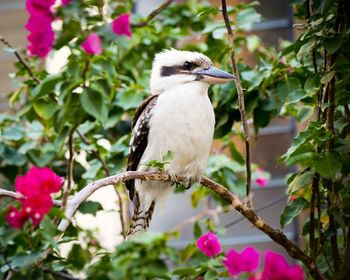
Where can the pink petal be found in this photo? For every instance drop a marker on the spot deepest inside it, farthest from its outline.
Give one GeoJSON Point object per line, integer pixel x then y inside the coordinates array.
{"type": "Point", "coordinates": [261, 181]}
{"type": "Point", "coordinates": [291, 70]}
{"type": "Point", "coordinates": [92, 44]}
{"type": "Point", "coordinates": [16, 218]}
{"type": "Point", "coordinates": [292, 197]}
{"type": "Point", "coordinates": [121, 25]}
{"type": "Point", "coordinates": [260, 170]}
{"type": "Point", "coordinates": [250, 259]}
{"type": "Point", "coordinates": [209, 244]}
{"type": "Point", "coordinates": [283, 60]}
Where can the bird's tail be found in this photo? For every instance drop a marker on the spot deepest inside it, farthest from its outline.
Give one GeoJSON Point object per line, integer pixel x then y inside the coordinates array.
{"type": "Point", "coordinates": [141, 218]}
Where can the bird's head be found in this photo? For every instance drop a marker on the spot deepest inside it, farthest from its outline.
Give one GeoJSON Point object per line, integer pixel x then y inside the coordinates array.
{"type": "Point", "coordinates": [173, 68]}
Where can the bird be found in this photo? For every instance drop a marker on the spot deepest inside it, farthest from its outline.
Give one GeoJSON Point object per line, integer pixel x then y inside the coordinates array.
{"type": "Point", "coordinates": [178, 117]}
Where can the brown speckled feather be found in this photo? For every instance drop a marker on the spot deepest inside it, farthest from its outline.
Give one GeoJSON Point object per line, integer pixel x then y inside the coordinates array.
{"type": "Point", "coordinates": [139, 137]}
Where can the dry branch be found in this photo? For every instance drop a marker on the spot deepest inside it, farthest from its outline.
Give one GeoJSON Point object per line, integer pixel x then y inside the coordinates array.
{"type": "Point", "coordinates": [20, 59]}
{"type": "Point", "coordinates": [152, 15]}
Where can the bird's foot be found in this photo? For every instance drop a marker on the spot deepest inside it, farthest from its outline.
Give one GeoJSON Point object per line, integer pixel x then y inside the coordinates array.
{"type": "Point", "coordinates": [175, 179]}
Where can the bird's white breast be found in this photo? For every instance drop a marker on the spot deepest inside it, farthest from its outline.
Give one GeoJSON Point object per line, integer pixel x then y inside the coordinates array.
{"type": "Point", "coordinates": [182, 121]}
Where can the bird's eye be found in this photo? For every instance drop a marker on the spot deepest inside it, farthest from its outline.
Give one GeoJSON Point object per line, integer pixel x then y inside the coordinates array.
{"type": "Point", "coordinates": [188, 65]}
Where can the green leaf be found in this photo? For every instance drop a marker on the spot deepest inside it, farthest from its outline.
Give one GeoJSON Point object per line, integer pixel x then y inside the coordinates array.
{"type": "Point", "coordinates": [45, 109]}
{"type": "Point", "coordinates": [46, 86]}
{"type": "Point", "coordinates": [328, 164]}
{"type": "Point", "coordinates": [188, 251]}
{"type": "Point", "coordinates": [13, 157]}
{"type": "Point", "coordinates": [253, 42]}
{"type": "Point", "coordinates": [305, 113]}
{"type": "Point", "coordinates": [302, 179]}
{"type": "Point", "coordinates": [93, 104]}
{"type": "Point", "coordinates": [168, 157]}
{"type": "Point", "coordinates": [156, 269]}
{"type": "Point", "coordinates": [90, 207]}
{"type": "Point", "coordinates": [211, 275]}
{"type": "Point", "coordinates": [23, 260]}
{"type": "Point", "coordinates": [332, 44]}
{"type": "Point", "coordinates": [292, 210]}
{"type": "Point", "coordinates": [77, 257]}
{"type": "Point", "coordinates": [236, 155]}
{"type": "Point", "coordinates": [304, 51]}
{"type": "Point", "coordinates": [129, 99]}
{"type": "Point", "coordinates": [197, 231]}
{"type": "Point", "coordinates": [49, 228]}
{"type": "Point", "coordinates": [327, 77]}
{"type": "Point", "coordinates": [247, 17]}
{"type": "Point", "coordinates": [185, 271]}
{"type": "Point", "coordinates": [15, 133]}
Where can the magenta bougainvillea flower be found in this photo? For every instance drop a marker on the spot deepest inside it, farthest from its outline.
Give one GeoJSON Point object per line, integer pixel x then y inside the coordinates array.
{"type": "Point", "coordinates": [34, 188]}
{"type": "Point", "coordinates": [236, 263]}
{"type": "Point", "coordinates": [209, 244]}
{"type": "Point", "coordinates": [41, 35]}
{"type": "Point", "coordinates": [261, 180]}
{"type": "Point", "coordinates": [277, 268]}
{"type": "Point", "coordinates": [92, 44]}
{"type": "Point", "coordinates": [121, 25]}
{"type": "Point", "coordinates": [66, 2]}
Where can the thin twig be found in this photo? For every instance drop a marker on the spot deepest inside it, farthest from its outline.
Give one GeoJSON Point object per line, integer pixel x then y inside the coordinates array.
{"type": "Point", "coordinates": [152, 15]}
{"type": "Point", "coordinates": [240, 101]}
{"type": "Point", "coordinates": [108, 173]}
{"type": "Point", "coordinates": [206, 213]}
{"type": "Point", "coordinates": [69, 168]}
{"type": "Point", "coordinates": [20, 59]}
{"type": "Point", "coordinates": [61, 274]}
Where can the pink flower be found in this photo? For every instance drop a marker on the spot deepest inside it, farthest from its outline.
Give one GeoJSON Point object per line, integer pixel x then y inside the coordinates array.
{"type": "Point", "coordinates": [209, 244]}
{"type": "Point", "coordinates": [260, 170]}
{"type": "Point", "coordinates": [121, 25]}
{"type": "Point", "coordinates": [261, 181]}
{"type": "Point", "coordinates": [248, 260]}
{"type": "Point", "coordinates": [39, 25]}
{"type": "Point", "coordinates": [292, 197]}
{"type": "Point", "coordinates": [36, 187]}
{"type": "Point", "coordinates": [283, 60]}
{"type": "Point", "coordinates": [16, 218]}
{"type": "Point", "coordinates": [277, 268]}
{"type": "Point", "coordinates": [92, 44]}
{"type": "Point", "coordinates": [291, 70]}
{"type": "Point", "coordinates": [66, 2]}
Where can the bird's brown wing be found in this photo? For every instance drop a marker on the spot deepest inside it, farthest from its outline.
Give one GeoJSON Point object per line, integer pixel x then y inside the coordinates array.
{"type": "Point", "coordinates": [139, 138]}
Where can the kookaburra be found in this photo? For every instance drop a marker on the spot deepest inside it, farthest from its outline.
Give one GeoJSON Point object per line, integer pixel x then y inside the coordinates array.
{"type": "Point", "coordinates": [177, 117]}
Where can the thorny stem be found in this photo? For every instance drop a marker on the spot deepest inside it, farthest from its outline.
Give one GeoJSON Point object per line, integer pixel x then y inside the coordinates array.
{"type": "Point", "coordinates": [108, 173]}
{"type": "Point", "coordinates": [152, 15]}
{"type": "Point", "coordinates": [69, 168]}
{"type": "Point", "coordinates": [240, 101]}
{"type": "Point", "coordinates": [20, 59]}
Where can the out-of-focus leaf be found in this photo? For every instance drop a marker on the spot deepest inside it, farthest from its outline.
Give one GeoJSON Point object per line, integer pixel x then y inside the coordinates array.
{"type": "Point", "coordinates": [292, 210]}
{"type": "Point", "coordinates": [46, 86]}
{"type": "Point", "coordinates": [328, 164]}
{"type": "Point", "coordinates": [90, 207]}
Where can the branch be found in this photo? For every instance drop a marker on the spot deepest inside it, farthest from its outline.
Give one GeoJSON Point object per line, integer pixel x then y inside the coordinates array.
{"type": "Point", "coordinates": [69, 168]}
{"type": "Point", "coordinates": [20, 59]}
{"type": "Point", "coordinates": [108, 173]}
{"type": "Point", "coordinates": [240, 101]}
{"type": "Point", "coordinates": [60, 274]}
{"type": "Point", "coordinates": [152, 15]}
{"type": "Point", "coordinates": [248, 213]}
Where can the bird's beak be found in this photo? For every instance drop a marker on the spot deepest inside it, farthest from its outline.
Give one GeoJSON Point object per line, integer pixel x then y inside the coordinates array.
{"type": "Point", "coordinates": [214, 76]}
